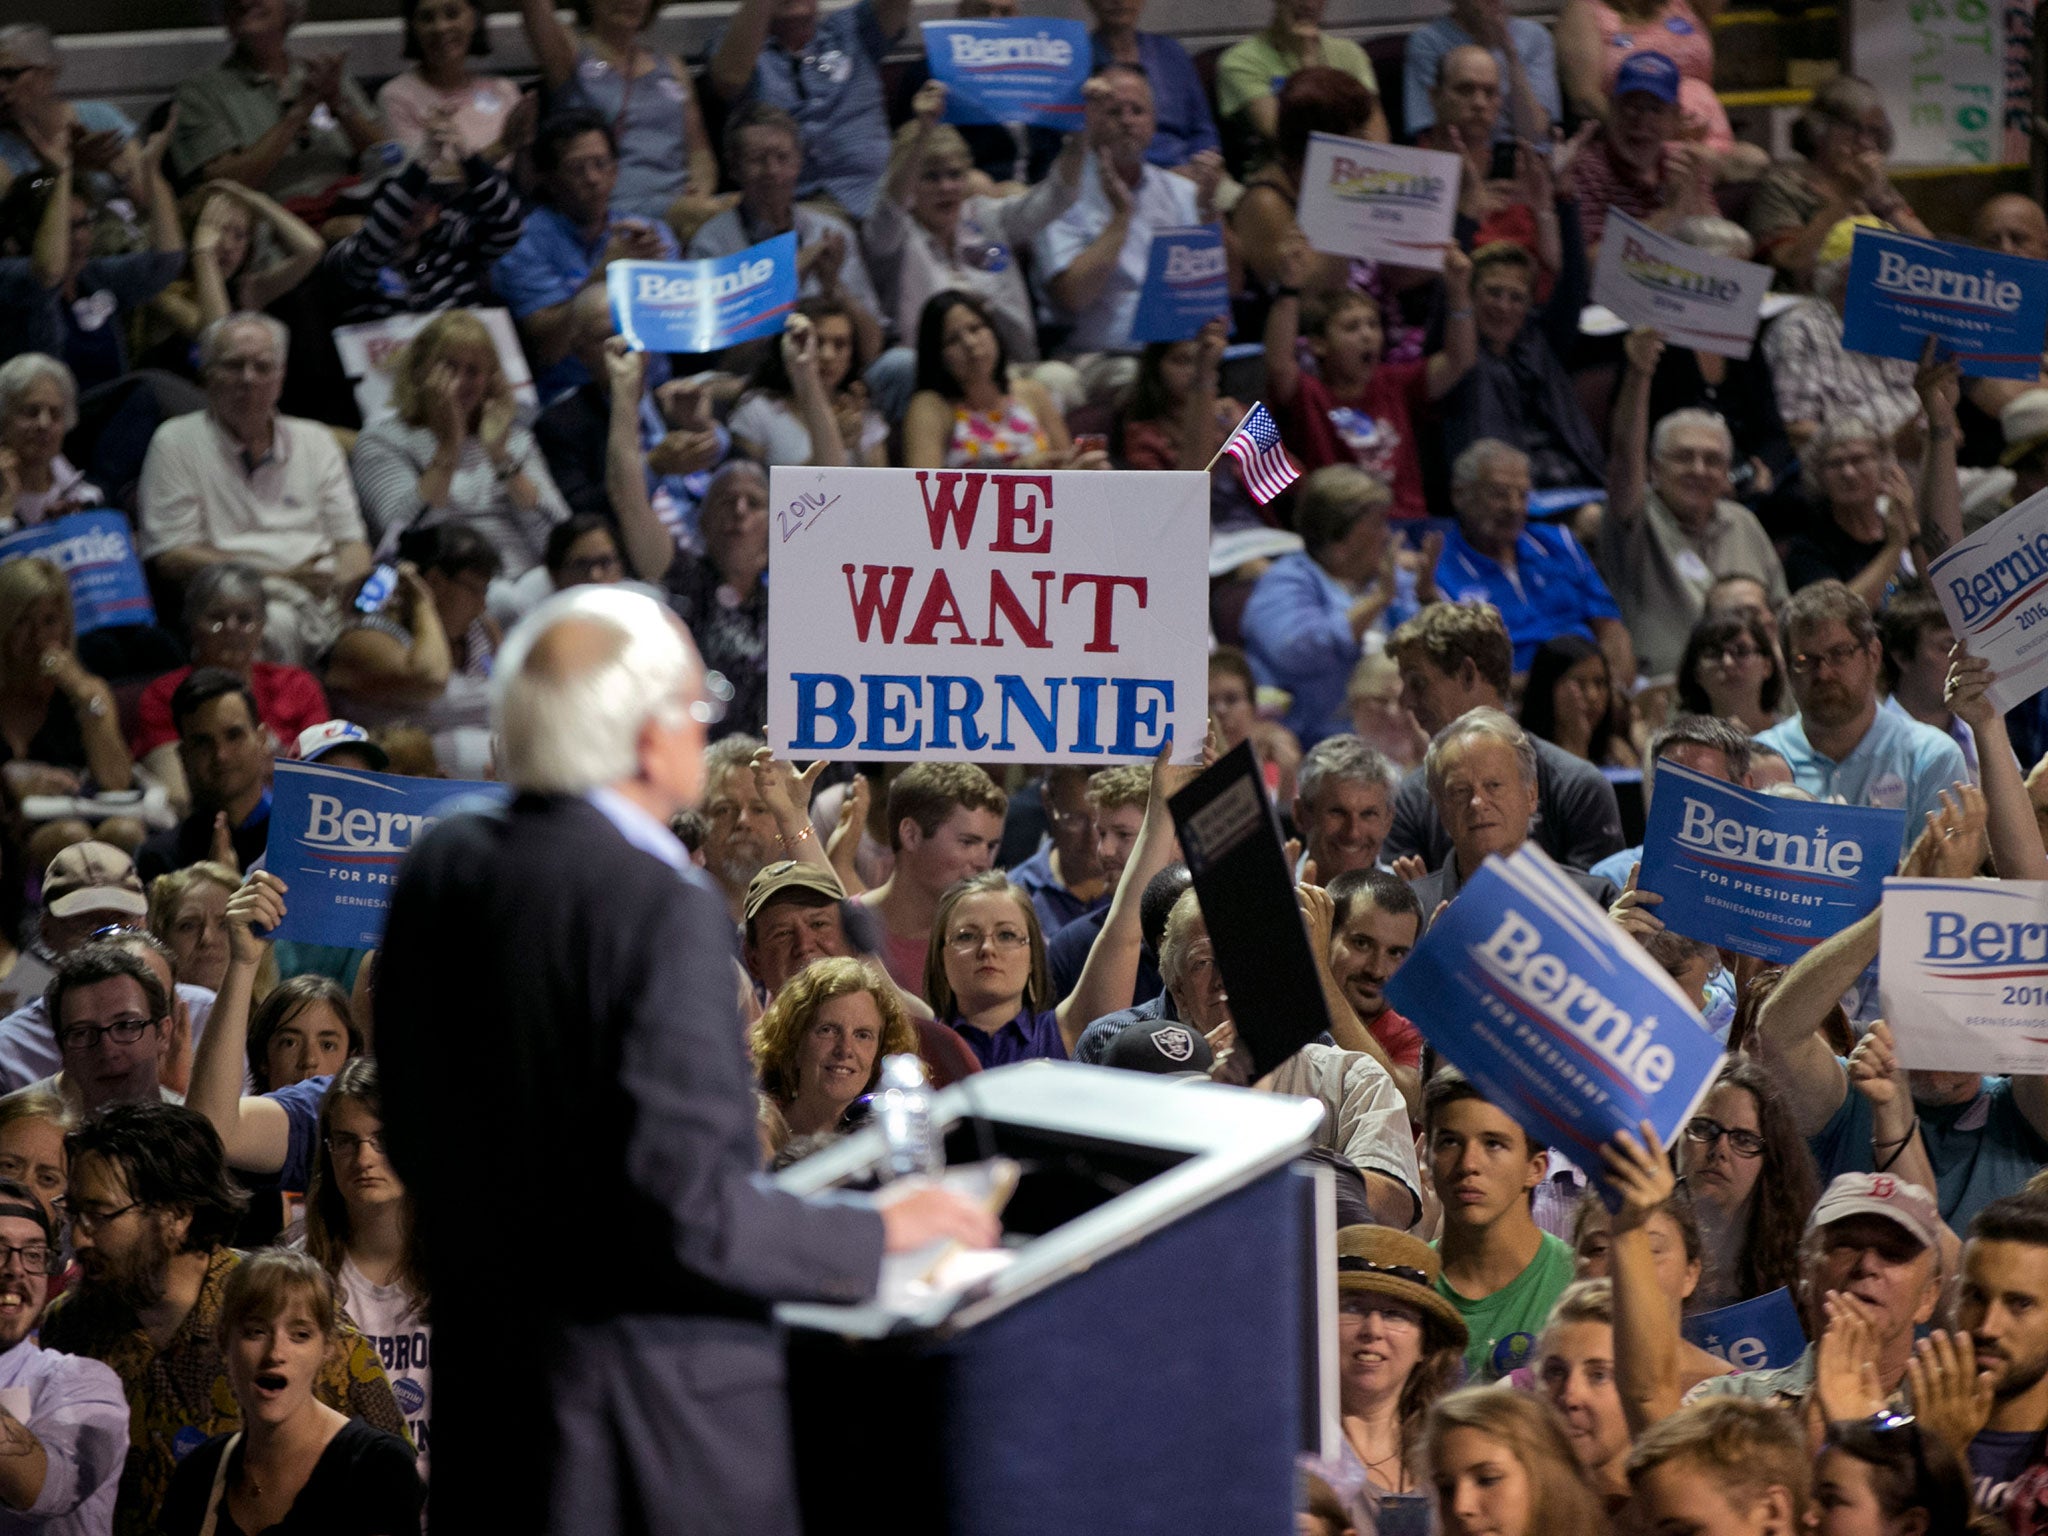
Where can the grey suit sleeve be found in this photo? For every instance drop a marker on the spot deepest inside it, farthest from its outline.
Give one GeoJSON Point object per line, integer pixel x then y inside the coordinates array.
{"type": "Point", "coordinates": [692, 1149]}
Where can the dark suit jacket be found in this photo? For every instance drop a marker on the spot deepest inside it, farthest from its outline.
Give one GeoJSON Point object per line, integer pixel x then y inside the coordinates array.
{"type": "Point", "coordinates": [1578, 820]}
{"type": "Point", "coordinates": [566, 1095]}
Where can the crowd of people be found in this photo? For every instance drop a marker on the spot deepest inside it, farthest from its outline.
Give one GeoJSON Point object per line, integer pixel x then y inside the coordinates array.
{"type": "Point", "coordinates": [1523, 563]}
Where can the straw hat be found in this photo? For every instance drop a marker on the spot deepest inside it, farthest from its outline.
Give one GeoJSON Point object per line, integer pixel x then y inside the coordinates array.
{"type": "Point", "coordinates": [1390, 1263]}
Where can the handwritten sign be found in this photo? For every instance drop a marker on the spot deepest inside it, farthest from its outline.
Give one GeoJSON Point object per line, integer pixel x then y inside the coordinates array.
{"type": "Point", "coordinates": [1027, 70]}
{"type": "Point", "coordinates": [1382, 202]}
{"type": "Point", "coordinates": [1941, 67]}
{"type": "Point", "coordinates": [1690, 297]}
{"type": "Point", "coordinates": [337, 837]}
{"type": "Point", "coordinates": [701, 306]}
{"type": "Point", "coordinates": [1994, 588]}
{"type": "Point", "coordinates": [1963, 974]}
{"type": "Point", "coordinates": [1186, 284]}
{"type": "Point", "coordinates": [982, 616]}
{"type": "Point", "coordinates": [1561, 1019]}
{"type": "Point", "coordinates": [1760, 874]}
{"type": "Point", "coordinates": [369, 351]}
{"type": "Point", "coordinates": [1762, 1334]}
{"type": "Point", "coordinates": [96, 553]}
{"type": "Point", "coordinates": [1989, 309]}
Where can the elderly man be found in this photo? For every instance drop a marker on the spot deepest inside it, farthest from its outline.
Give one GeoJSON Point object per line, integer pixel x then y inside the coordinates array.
{"type": "Point", "coordinates": [60, 1468]}
{"type": "Point", "coordinates": [1482, 778]}
{"type": "Point", "coordinates": [1843, 744]}
{"type": "Point", "coordinates": [152, 1207]}
{"type": "Point", "coordinates": [1671, 530]}
{"type": "Point", "coordinates": [238, 481]}
{"type": "Point", "coordinates": [1456, 657]}
{"type": "Point", "coordinates": [1818, 379]}
{"type": "Point", "coordinates": [1343, 806]}
{"type": "Point", "coordinates": [34, 115]}
{"type": "Point", "coordinates": [1538, 579]}
{"type": "Point", "coordinates": [2013, 223]}
{"type": "Point", "coordinates": [1873, 1244]}
{"type": "Point", "coordinates": [226, 754]}
{"type": "Point", "coordinates": [1525, 95]}
{"type": "Point", "coordinates": [599, 948]}
{"type": "Point", "coordinates": [1638, 161]}
{"type": "Point", "coordinates": [740, 835]}
{"type": "Point", "coordinates": [1090, 262]}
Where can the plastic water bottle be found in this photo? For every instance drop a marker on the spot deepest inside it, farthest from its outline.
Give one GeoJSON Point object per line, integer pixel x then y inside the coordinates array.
{"type": "Point", "coordinates": [903, 1106]}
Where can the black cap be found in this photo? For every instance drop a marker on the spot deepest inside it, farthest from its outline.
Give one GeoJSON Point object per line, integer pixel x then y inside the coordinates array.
{"type": "Point", "coordinates": [1160, 1045]}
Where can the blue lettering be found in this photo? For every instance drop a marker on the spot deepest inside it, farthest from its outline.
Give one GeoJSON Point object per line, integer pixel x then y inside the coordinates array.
{"type": "Point", "coordinates": [945, 711]}
{"type": "Point", "coordinates": [1944, 936]}
{"type": "Point", "coordinates": [809, 711]}
{"type": "Point", "coordinates": [1089, 690]}
{"type": "Point", "coordinates": [1044, 723]}
{"type": "Point", "coordinates": [883, 713]}
{"type": "Point", "coordinates": [1130, 717]}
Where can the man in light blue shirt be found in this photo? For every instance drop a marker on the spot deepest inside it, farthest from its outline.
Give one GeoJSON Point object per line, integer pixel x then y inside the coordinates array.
{"type": "Point", "coordinates": [1842, 744]}
{"type": "Point", "coordinates": [1530, 102]}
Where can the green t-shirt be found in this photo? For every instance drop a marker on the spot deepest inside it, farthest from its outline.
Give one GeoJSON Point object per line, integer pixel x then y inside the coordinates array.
{"type": "Point", "coordinates": [1504, 1325]}
{"type": "Point", "coordinates": [1255, 68]}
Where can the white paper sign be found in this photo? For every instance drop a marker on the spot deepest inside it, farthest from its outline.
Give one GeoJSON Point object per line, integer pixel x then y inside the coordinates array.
{"type": "Point", "coordinates": [1963, 973]}
{"type": "Point", "coordinates": [1994, 588]}
{"type": "Point", "coordinates": [1382, 202]}
{"type": "Point", "coordinates": [1691, 297]}
{"type": "Point", "coordinates": [987, 615]}
{"type": "Point", "coordinates": [1941, 67]}
{"type": "Point", "coordinates": [367, 351]}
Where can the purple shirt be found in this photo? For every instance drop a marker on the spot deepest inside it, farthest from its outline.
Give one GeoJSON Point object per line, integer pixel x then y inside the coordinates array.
{"type": "Point", "coordinates": [1027, 1037]}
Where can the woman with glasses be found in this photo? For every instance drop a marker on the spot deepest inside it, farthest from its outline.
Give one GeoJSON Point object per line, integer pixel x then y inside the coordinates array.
{"type": "Point", "coordinates": [818, 1049]}
{"type": "Point", "coordinates": [584, 551]}
{"type": "Point", "coordinates": [226, 614]}
{"type": "Point", "coordinates": [1731, 669]}
{"type": "Point", "coordinates": [359, 1226]}
{"type": "Point", "coordinates": [1841, 140]}
{"type": "Point", "coordinates": [1400, 1347]}
{"type": "Point", "coordinates": [1752, 1183]}
{"type": "Point", "coordinates": [1890, 1476]}
{"type": "Point", "coordinates": [1866, 523]}
{"type": "Point", "coordinates": [1571, 702]}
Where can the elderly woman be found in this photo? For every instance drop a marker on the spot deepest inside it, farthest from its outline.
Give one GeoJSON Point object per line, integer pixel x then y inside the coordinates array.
{"type": "Point", "coordinates": [35, 119]}
{"type": "Point", "coordinates": [287, 124]}
{"type": "Point", "coordinates": [453, 451]}
{"type": "Point", "coordinates": [55, 295]}
{"type": "Point", "coordinates": [225, 613]}
{"type": "Point", "coordinates": [1841, 139]}
{"type": "Point", "coordinates": [485, 113]}
{"type": "Point", "coordinates": [1251, 75]}
{"type": "Point", "coordinates": [928, 233]}
{"type": "Point", "coordinates": [38, 405]}
{"type": "Point", "coordinates": [1817, 379]}
{"type": "Point", "coordinates": [1307, 620]}
{"type": "Point", "coordinates": [1865, 525]}
{"type": "Point", "coordinates": [58, 725]}
{"type": "Point", "coordinates": [819, 1047]}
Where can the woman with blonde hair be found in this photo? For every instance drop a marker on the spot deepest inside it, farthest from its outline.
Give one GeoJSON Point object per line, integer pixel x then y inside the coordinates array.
{"type": "Point", "coordinates": [188, 910]}
{"type": "Point", "coordinates": [452, 449]}
{"type": "Point", "coordinates": [1502, 1463]}
{"type": "Point", "coordinates": [58, 724]}
{"type": "Point", "coordinates": [33, 1124]}
{"type": "Point", "coordinates": [820, 1045]}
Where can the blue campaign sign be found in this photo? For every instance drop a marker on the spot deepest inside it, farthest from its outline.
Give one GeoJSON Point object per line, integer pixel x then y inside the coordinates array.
{"type": "Point", "coordinates": [1187, 284]}
{"type": "Point", "coordinates": [1760, 874]}
{"type": "Point", "coordinates": [700, 306]}
{"type": "Point", "coordinates": [96, 553]}
{"type": "Point", "coordinates": [337, 837]}
{"type": "Point", "coordinates": [1987, 308]}
{"type": "Point", "coordinates": [1562, 1020]}
{"type": "Point", "coordinates": [1029, 70]}
{"type": "Point", "coordinates": [1759, 1335]}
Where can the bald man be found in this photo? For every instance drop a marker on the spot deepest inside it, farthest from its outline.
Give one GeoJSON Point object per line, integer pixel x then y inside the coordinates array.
{"type": "Point", "coordinates": [2014, 224]}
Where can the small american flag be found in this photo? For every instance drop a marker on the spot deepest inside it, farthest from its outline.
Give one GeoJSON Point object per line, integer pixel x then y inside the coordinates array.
{"type": "Point", "coordinates": [1260, 459]}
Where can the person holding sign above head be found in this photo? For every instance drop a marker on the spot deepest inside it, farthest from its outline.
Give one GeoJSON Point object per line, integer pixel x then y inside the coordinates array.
{"type": "Point", "coordinates": [968, 411]}
{"type": "Point", "coordinates": [1251, 75]}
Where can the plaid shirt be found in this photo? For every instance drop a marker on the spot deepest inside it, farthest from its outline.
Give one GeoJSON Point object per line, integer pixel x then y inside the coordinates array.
{"type": "Point", "coordinates": [1816, 380]}
{"type": "Point", "coordinates": [178, 1396]}
{"type": "Point", "coordinates": [1600, 182]}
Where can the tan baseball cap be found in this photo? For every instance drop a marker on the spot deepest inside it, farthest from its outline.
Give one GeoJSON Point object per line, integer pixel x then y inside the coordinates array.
{"type": "Point", "coordinates": [93, 877]}
{"type": "Point", "coordinates": [790, 875]}
{"type": "Point", "coordinates": [1879, 1194]}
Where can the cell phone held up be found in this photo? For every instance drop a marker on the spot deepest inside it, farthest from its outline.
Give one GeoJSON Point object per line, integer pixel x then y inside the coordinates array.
{"type": "Point", "coordinates": [377, 589]}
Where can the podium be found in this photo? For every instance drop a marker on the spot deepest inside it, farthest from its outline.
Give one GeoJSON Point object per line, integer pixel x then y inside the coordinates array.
{"type": "Point", "coordinates": [1149, 1360]}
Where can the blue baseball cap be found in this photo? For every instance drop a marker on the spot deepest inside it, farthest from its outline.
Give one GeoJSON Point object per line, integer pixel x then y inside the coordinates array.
{"type": "Point", "coordinates": [1650, 72]}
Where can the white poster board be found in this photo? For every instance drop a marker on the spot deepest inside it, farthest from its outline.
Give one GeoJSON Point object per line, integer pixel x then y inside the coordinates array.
{"type": "Point", "coordinates": [367, 351]}
{"type": "Point", "coordinates": [1994, 588]}
{"type": "Point", "coordinates": [1963, 974]}
{"type": "Point", "coordinates": [987, 615]}
{"type": "Point", "coordinates": [1381, 202]}
{"type": "Point", "coordinates": [1941, 67]}
{"type": "Point", "coordinates": [1691, 297]}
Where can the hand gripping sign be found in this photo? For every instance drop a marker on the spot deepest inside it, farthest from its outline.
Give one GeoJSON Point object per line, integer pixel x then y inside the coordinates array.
{"type": "Point", "coordinates": [701, 306]}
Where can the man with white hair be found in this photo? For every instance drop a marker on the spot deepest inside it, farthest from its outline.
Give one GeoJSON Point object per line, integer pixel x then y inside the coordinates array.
{"type": "Point", "coordinates": [238, 481]}
{"type": "Point", "coordinates": [615, 1105]}
{"type": "Point", "coordinates": [1671, 529]}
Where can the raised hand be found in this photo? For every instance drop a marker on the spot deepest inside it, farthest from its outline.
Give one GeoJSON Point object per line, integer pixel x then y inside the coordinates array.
{"type": "Point", "coordinates": [1410, 866]}
{"type": "Point", "coordinates": [1640, 1172]}
{"type": "Point", "coordinates": [495, 423]}
{"type": "Point", "coordinates": [1631, 909]}
{"type": "Point", "coordinates": [1567, 149]}
{"type": "Point", "coordinates": [823, 258]}
{"type": "Point", "coordinates": [800, 346]}
{"type": "Point", "coordinates": [684, 404]}
{"type": "Point", "coordinates": [786, 792]}
{"type": "Point", "coordinates": [1874, 1067]}
{"type": "Point", "coordinates": [1845, 1377]}
{"type": "Point", "coordinates": [625, 370]}
{"type": "Point", "coordinates": [1205, 169]}
{"type": "Point", "coordinates": [443, 405]}
{"type": "Point", "coordinates": [92, 151]}
{"type": "Point", "coordinates": [1967, 691]}
{"type": "Point", "coordinates": [1955, 834]}
{"type": "Point", "coordinates": [929, 104]}
{"type": "Point", "coordinates": [1644, 349]}
{"type": "Point", "coordinates": [258, 904]}
{"type": "Point", "coordinates": [1938, 381]}
{"type": "Point", "coordinates": [1951, 1396]}
{"type": "Point", "coordinates": [1291, 265]}
{"type": "Point", "coordinates": [1318, 916]}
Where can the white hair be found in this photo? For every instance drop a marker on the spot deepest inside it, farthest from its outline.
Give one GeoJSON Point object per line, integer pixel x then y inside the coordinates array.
{"type": "Point", "coordinates": [27, 368]}
{"type": "Point", "coordinates": [214, 337]}
{"type": "Point", "coordinates": [1493, 725]}
{"type": "Point", "coordinates": [567, 718]}
{"type": "Point", "coordinates": [1710, 232]}
{"type": "Point", "coordinates": [1691, 416]}
{"type": "Point", "coordinates": [1470, 467]}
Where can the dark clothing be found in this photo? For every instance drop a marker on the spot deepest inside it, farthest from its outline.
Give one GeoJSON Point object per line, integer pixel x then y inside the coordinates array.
{"type": "Point", "coordinates": [1744, 399]}
{"type": "Point", "coordinates": [192, 840]}
{"type": "Point", "coordinates": [1443, 884]}
{"type": "Point", "coordinates": [367, 277]}
{"type": "Point", "coordinates": [1821, 551]}
{"type": "Point", "coordinates": [572, 435]}
{"type": "Point", "coordinates": [57, 743]}
{"type": "Point", "coordinates": [1066, 952]}
{"type": "Point", "coordinates": [1579, 822]}
{"type": "Point", "coordinates": [364, 1484]}
{"type": "Point", "coordinates": [1095, 1039]}
{"type": "Point", "coordinates": [731, 634]}
{"type": "Point", "coordinates": [616, 1088]}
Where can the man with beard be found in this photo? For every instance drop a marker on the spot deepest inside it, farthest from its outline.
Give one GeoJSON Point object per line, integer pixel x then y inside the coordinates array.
{"type": "Point", "coordinates": [151, 1208]}
{"type": "Point", "coordinates": [1841, 745]}
{"type": "Point", "coordinates": [1376, 921]}
{"type": "Point", "coordinates": [61, 1466]}
{"type": "Point", "coordinates": [739, 828]}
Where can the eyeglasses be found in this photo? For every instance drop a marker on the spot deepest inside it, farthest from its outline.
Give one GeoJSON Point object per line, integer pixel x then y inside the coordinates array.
{"type": "Point", "coordinates": [342, 1145]}
{"type": "Point", "coordinates": [84, 1037]}
{"type": "Point", "coordinates": [1834, 658]}
{"type": "Point", "coordinates": [1392, 1313]}
{"type": "Point", "coordinates": [1734, 655]}
{"type": "Point", "coordinates": [86, 1219]}
{"type": "Point", "coordinates": [36, 1258]}
{"type": "Point", "coordinates": [260, 367]}
{"type": "Point", "coordinates": [116, 930]}
{"type": "Point", "coordinates": [966, 941]}
{"type": "Point", "coordinates": [241, 618]}
{"type": "Point", "coordinates": [1703, 458]}
{"type": "Point", "coordinates": [1706, 1132]}
{"type": "Point", "coordinates": [595, 565]}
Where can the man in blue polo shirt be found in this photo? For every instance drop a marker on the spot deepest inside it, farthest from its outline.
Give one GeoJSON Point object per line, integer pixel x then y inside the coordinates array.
{"type": "Point", "coordinates": [1841, 744]}
{"type": "Point", "coordinates": [1538, 578]}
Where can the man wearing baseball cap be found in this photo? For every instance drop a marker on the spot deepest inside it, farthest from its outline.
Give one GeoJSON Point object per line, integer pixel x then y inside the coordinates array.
{"type": "Point", "coordinates": [1873, 1249]}
{"type": "Point", "coordinates": [1637, 162]}
{"type": "Point", "coordinates": [341, 744]}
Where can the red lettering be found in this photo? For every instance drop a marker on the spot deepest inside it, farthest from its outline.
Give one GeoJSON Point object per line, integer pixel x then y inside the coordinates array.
{"type": "Point", "coordinates": [869, 600]}
{"type": "Point", "coordinates": [1001, 599]}
{"type": "Point", "coordinates": [1010, 512]}
{"type": "Point", "coordinates": [949, 508]}
{"type": "Point", "coordinates": [940, 607]}
{"type": "Point", "coordinates": [1105, 602]}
